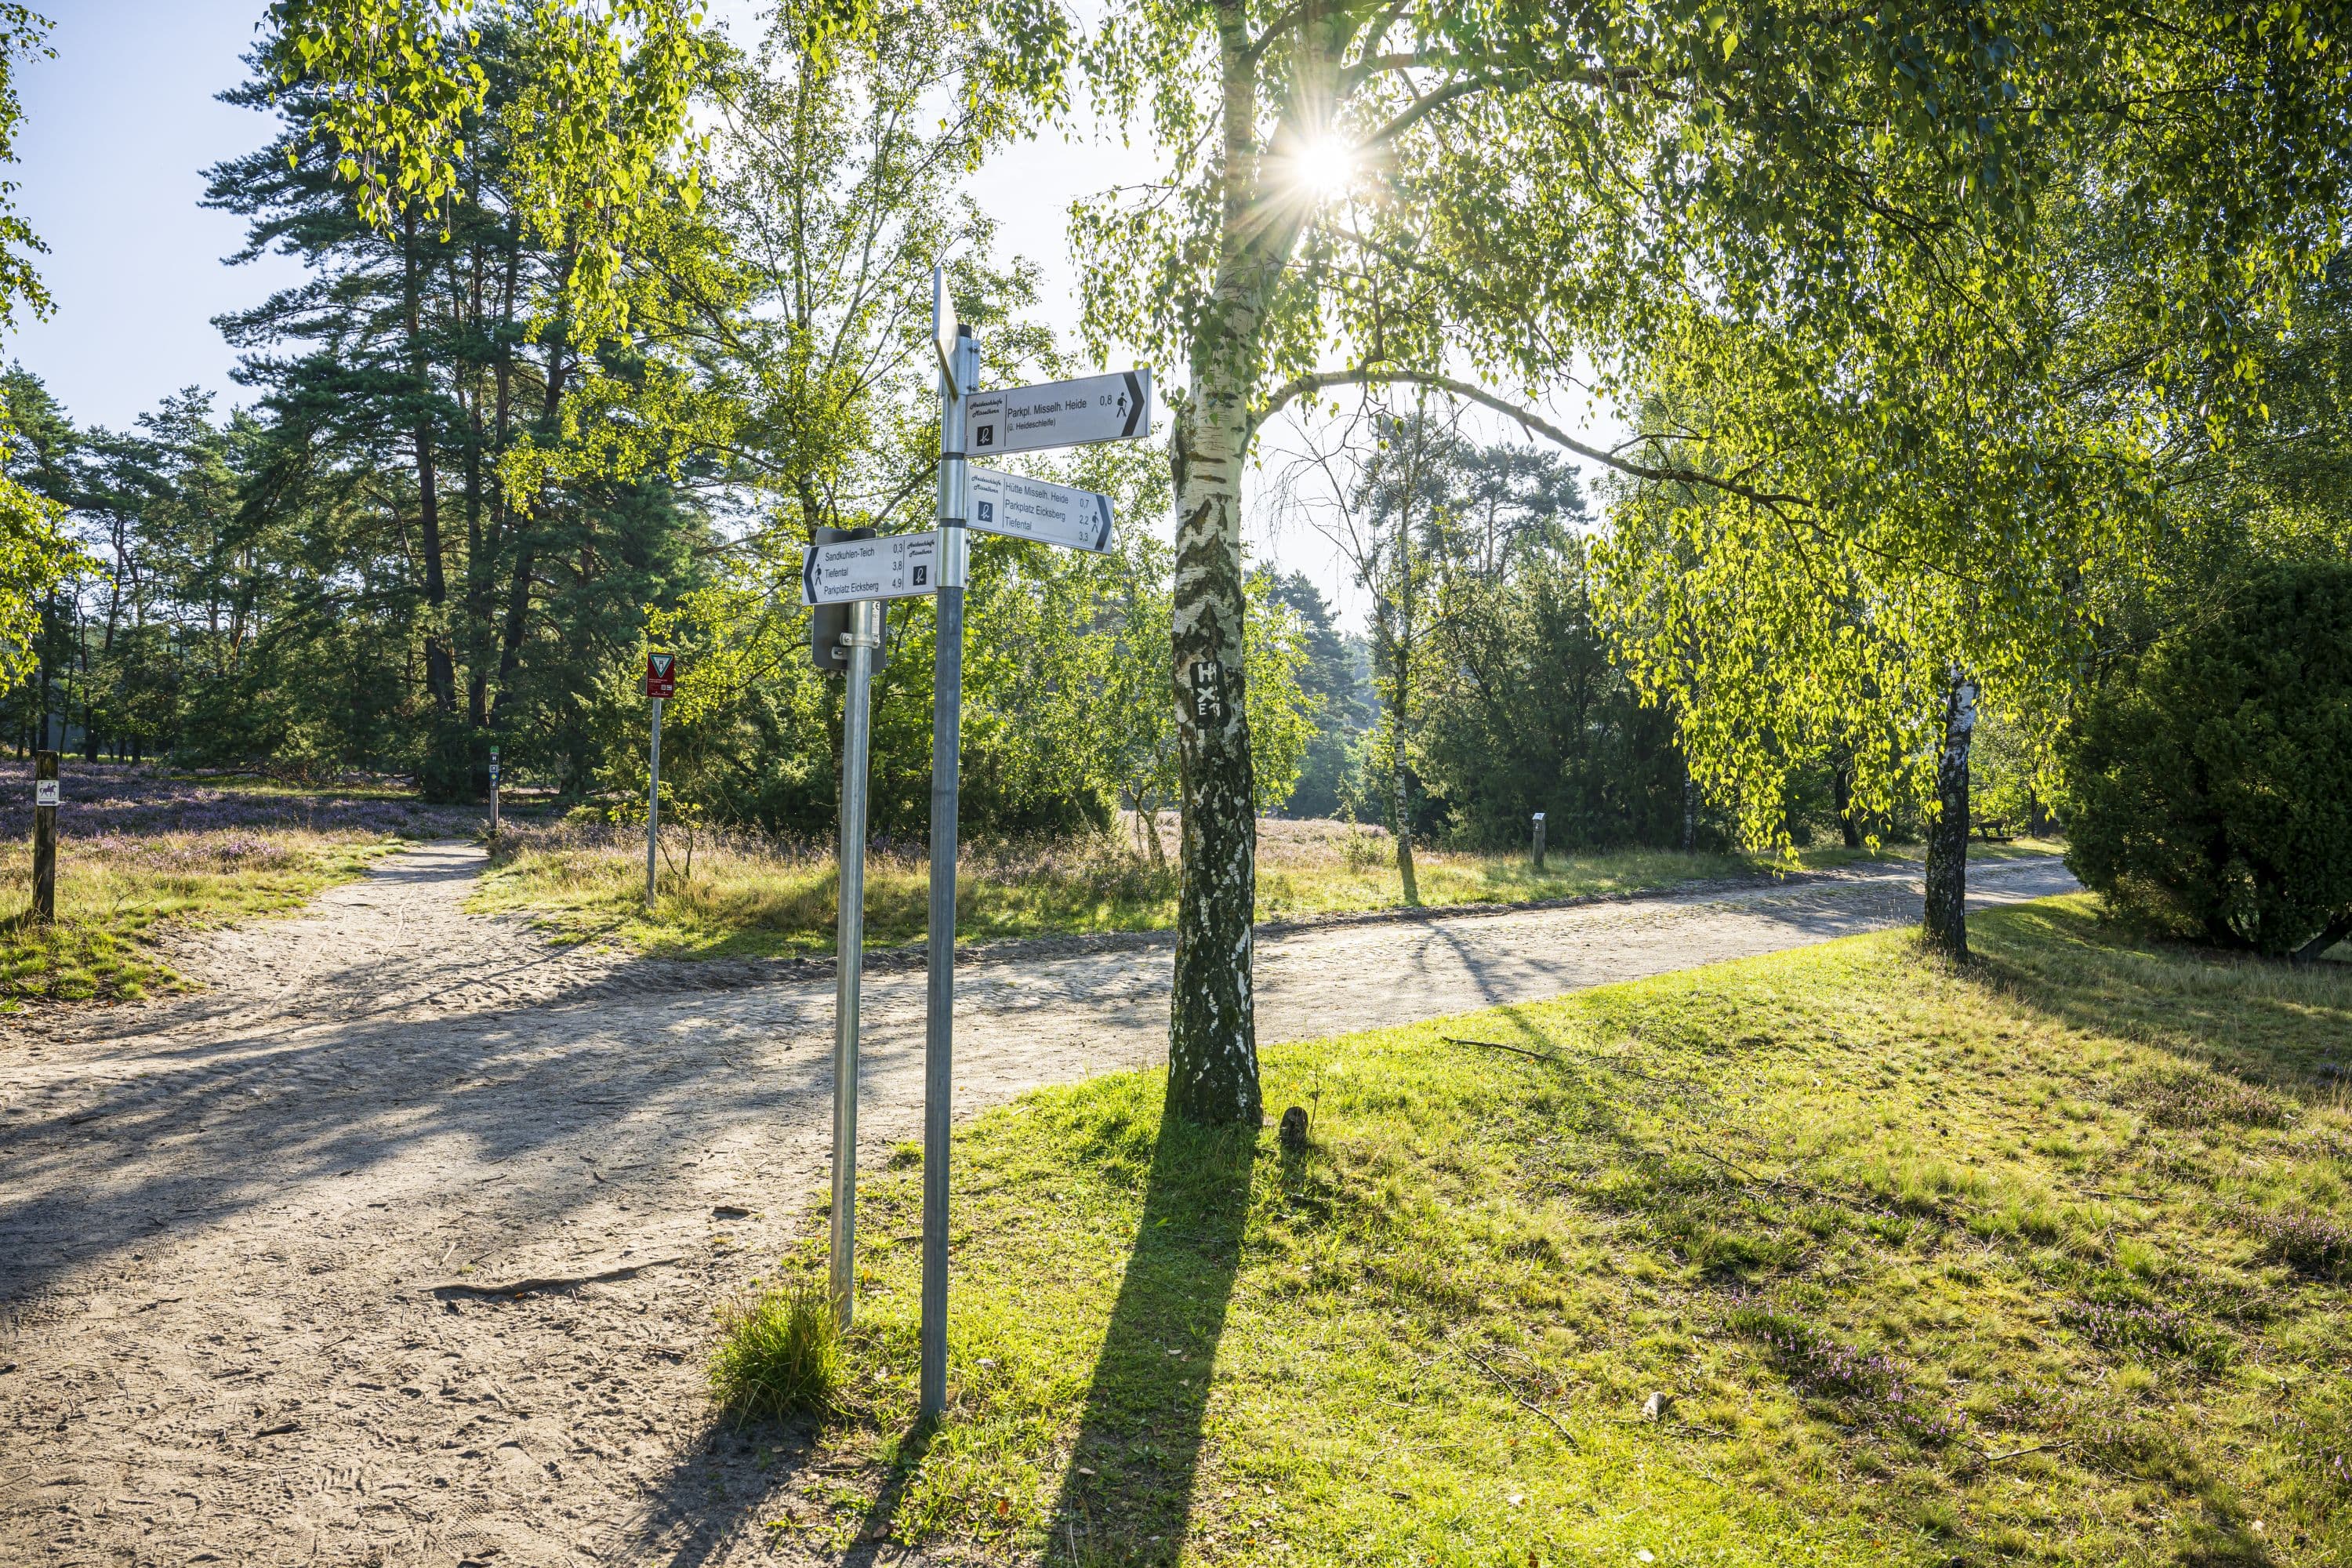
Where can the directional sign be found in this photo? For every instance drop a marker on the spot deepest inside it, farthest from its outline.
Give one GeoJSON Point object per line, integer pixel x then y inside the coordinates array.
{"type": "Point", "coordinates": [1032, 509]}
{"type": "Point", "coordinates": [1114, 407]}
{"type": "Point", "coordinates": [943, 323]}
{"type": "Point", "coordinates": [893, 566]}
{"type": "Point", "coordinates": [44, 792]}
{"type": "Point", "coordinates": [661, 675]}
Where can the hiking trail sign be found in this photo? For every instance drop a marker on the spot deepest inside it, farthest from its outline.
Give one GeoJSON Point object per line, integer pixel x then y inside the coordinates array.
{"type": "Point", "coordinates": [886, 567]}
{"type": "Point", "coordinates": [1036, 509]}
{"type": "Point", "coordinates": [661, 675]}
{"type": "Point", "coordinates": [1113, 407]}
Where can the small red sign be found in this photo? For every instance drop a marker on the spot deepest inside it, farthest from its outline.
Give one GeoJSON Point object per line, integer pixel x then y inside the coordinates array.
{"type": "Point", "coordinates": [661, 675]}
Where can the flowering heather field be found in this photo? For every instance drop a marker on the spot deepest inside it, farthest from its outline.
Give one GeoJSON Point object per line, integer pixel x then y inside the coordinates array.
{"type": "Point", "coordinates": [108, 804]}
{"type": "Point", "coordinates": [142, 852]}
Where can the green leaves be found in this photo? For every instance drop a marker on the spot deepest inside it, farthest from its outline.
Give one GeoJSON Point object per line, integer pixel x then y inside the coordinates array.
{"type": "Point", "coordinates": [599, 134]}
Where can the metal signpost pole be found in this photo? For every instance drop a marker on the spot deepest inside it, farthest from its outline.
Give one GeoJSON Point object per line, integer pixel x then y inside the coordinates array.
{"type": "Point", "coordinates": [849, 949]}
{"type": "Point", "coordinates": [45, 837]}
{"type": "Point", "coordinates": [494, 791]}
{"type": "Point", "coordinates": [947, 731]}
{"type": "Point", "coordinates": [1539, 826]}
{"type": "Point", "coordinates": [652, 805]}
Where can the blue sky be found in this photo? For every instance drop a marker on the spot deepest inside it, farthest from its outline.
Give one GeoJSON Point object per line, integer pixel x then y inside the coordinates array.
{"type": "Point", "coordinates": [118, 130]}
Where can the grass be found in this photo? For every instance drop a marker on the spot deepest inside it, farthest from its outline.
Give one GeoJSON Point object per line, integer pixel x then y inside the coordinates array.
{"type": "Point", "coordinates": [744, 897]}
{"type": "Point", "coordinates": [778, 1355]}
{"type": "Point", "coordinates": [142, 850]}
{"type": "Point", "coordinates": [2035, 1261]}
{"type": "Point", "coordinates": [115, 898]}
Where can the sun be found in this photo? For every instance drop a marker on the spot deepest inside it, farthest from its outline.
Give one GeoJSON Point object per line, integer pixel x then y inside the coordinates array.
{"type": "Point", "coordinates": [1326, 166]}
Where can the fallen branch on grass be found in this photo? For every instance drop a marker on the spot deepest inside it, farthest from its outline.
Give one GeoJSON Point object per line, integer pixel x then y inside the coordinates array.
{"type": "Point", "coordinates": [1991, 1459]}
{"type": "Point", "coordinates": [542, 1282]}
{"type": "Point", "coordinates": [1498, 1046]}
{"type": "Point", "coordinates": [1526, 1403]}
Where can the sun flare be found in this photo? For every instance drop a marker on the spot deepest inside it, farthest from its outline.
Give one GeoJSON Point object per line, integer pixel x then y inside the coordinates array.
{"type": "Point", "coordinates": [1326, 166]}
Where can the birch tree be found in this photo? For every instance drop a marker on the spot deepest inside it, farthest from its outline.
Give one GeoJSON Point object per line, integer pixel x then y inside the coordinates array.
{"type": "Point", "coordinates": [1469, 197]}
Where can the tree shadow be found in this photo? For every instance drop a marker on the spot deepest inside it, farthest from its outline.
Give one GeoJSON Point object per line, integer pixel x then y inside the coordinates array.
{"type": "Point", "coordinates": [1134, 1470]}
{"type": "Point", "coordinates": [2281, 1025]}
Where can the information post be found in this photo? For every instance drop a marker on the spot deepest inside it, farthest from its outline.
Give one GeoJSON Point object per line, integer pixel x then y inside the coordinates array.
{"type": "Point", "coordinates": [838, 569]}
{"type": "Point", "coordinates": [45, 838]}
{"type": "Point", "coordinates": [661, 683]}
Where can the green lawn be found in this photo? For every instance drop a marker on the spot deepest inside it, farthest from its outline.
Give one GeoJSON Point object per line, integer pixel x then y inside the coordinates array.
{"type": "Point", "coordinates": [115, 897]}
{"type": "Point", "coordinates": [2040, 1261]}
{"type": "Point", "coordinates": [736, 898]}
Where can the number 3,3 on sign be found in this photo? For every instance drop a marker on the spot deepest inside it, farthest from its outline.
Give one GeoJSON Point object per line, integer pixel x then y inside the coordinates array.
{"type": "Point", "coordinates": [661, 675]}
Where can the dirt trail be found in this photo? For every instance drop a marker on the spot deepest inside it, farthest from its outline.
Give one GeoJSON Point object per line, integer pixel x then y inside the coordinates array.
{"type": "Point", "coordinates": [216, 1213]}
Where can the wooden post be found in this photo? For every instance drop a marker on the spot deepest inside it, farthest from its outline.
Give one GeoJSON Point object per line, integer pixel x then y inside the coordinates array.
{"type": "Point", "coordinates": [45, 838]}
{"type": "Point", "coordinates": [1540, 827]}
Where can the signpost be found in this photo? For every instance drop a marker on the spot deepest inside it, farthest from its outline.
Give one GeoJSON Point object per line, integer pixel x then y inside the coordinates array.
{"type": "Point", "coordinates": [938, 991]}
{"type": "Point", "coordinates": [45, 838]}
{"type": "Point", "coordinates": [856, 569]}
{"type": "Point", "coordinates": [857, 566]}
{"type": "Point", "coordinates": [1034, 508]}
{"type": "Point", "coordinates": [494, 790]}
{"type": "Point", "coordinates": [1114, 407]}
{"type": "Point", "coordinates": [661, 682]}
{"type": "Point", "coordinates": [848, 637]}
{"type": "Point", "coordinates": [1539, 840]}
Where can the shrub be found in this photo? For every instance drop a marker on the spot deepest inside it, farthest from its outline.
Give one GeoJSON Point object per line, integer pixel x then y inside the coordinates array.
{"type": "Point", "coordinates": [779, 1356]}
{"type": "Point", "coordinates": [2210, 781]}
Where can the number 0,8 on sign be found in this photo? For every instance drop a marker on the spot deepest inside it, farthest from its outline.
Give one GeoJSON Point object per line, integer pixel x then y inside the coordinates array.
{"type": "Point", "coordinates": [1114, 407]}
{"type": "Point", "coordinates": [661, 675]}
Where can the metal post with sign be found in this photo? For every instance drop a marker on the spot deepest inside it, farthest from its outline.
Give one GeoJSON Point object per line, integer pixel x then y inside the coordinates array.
{"type": "Point", "coordinates": [661, 683]}
{"type": "Point", "coordinates": [1539, 830]}
{"type": "Point", "coordinates": [45, 838]}
{"type": "Point", "coordinates": [959, 370]}
{"type": "Point", "coordinates": [494, 790]}
{"type": "Point", "coordinates": [846, 634]}
{"type": "Point", "coordinates": [854, 568]}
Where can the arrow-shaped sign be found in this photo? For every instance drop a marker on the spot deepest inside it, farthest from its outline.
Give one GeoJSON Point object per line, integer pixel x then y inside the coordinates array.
{"type": "Point", "coordinates": [1034, 509]}
{"type": "Point", "coordinates": [943, 325]}
{"type": "Point", "coordinates": [893, 566]}
{"type": "Point", "coordinates": [1114, 407]}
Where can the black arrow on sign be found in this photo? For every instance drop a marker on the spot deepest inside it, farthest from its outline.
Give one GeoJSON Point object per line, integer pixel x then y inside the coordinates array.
{"type": "Point", "coordinates": [1136, 405]}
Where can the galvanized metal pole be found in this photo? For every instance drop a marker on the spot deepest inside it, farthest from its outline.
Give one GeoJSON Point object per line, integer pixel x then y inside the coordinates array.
{"type": "Point", "coordinates": [938, 1001]}
{"type": "Point", "coordinates": [1539, 836]}
{"type": "Point", "coordinates": [849, 950]}
{"type": "Point", "coordinates": [653, 806]}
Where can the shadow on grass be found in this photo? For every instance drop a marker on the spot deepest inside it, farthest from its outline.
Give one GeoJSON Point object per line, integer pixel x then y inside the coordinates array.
{"type": "Point", "coordinates": [1128, 1496]}
{"type": "Point", "coordinates": [2280, 1024]}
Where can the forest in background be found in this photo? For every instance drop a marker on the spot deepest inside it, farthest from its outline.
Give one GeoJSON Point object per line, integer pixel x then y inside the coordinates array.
{"type": "Point", "coordinates": [455, 513]}
{"type": "Point", "coordinates": [429, 530]}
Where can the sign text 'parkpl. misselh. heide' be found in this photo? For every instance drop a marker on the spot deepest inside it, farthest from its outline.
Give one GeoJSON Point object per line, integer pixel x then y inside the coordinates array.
{"type": "Point", "coordinates": [1113, 407]}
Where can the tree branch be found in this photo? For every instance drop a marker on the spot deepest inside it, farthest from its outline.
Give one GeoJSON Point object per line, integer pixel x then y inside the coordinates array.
{"type": "Point", "coordinates": [1528, 420]}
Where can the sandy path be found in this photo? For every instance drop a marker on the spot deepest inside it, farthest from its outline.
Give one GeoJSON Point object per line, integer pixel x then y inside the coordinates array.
{"type": "Point", "coordinates": [215, 1214]}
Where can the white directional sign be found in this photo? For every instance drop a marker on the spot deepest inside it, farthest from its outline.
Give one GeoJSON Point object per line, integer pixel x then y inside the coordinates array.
{"type": "Point", "coordinates": [1033, 509]}
{"type": "Point", "coordinates": [1114, 407]}
{"type": "Point", "coordinates": [44, 792]}
{"type": "Point", "coordinates": [893, 566]}
{"type": "Point", "coordinates": [943, 323]}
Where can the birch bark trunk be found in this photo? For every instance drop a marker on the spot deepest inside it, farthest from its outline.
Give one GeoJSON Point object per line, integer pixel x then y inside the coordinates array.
{"type": "Point", "coordinates": [1944, 924]}
{"type": "Point", "coordinates": [1213, 1018]}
